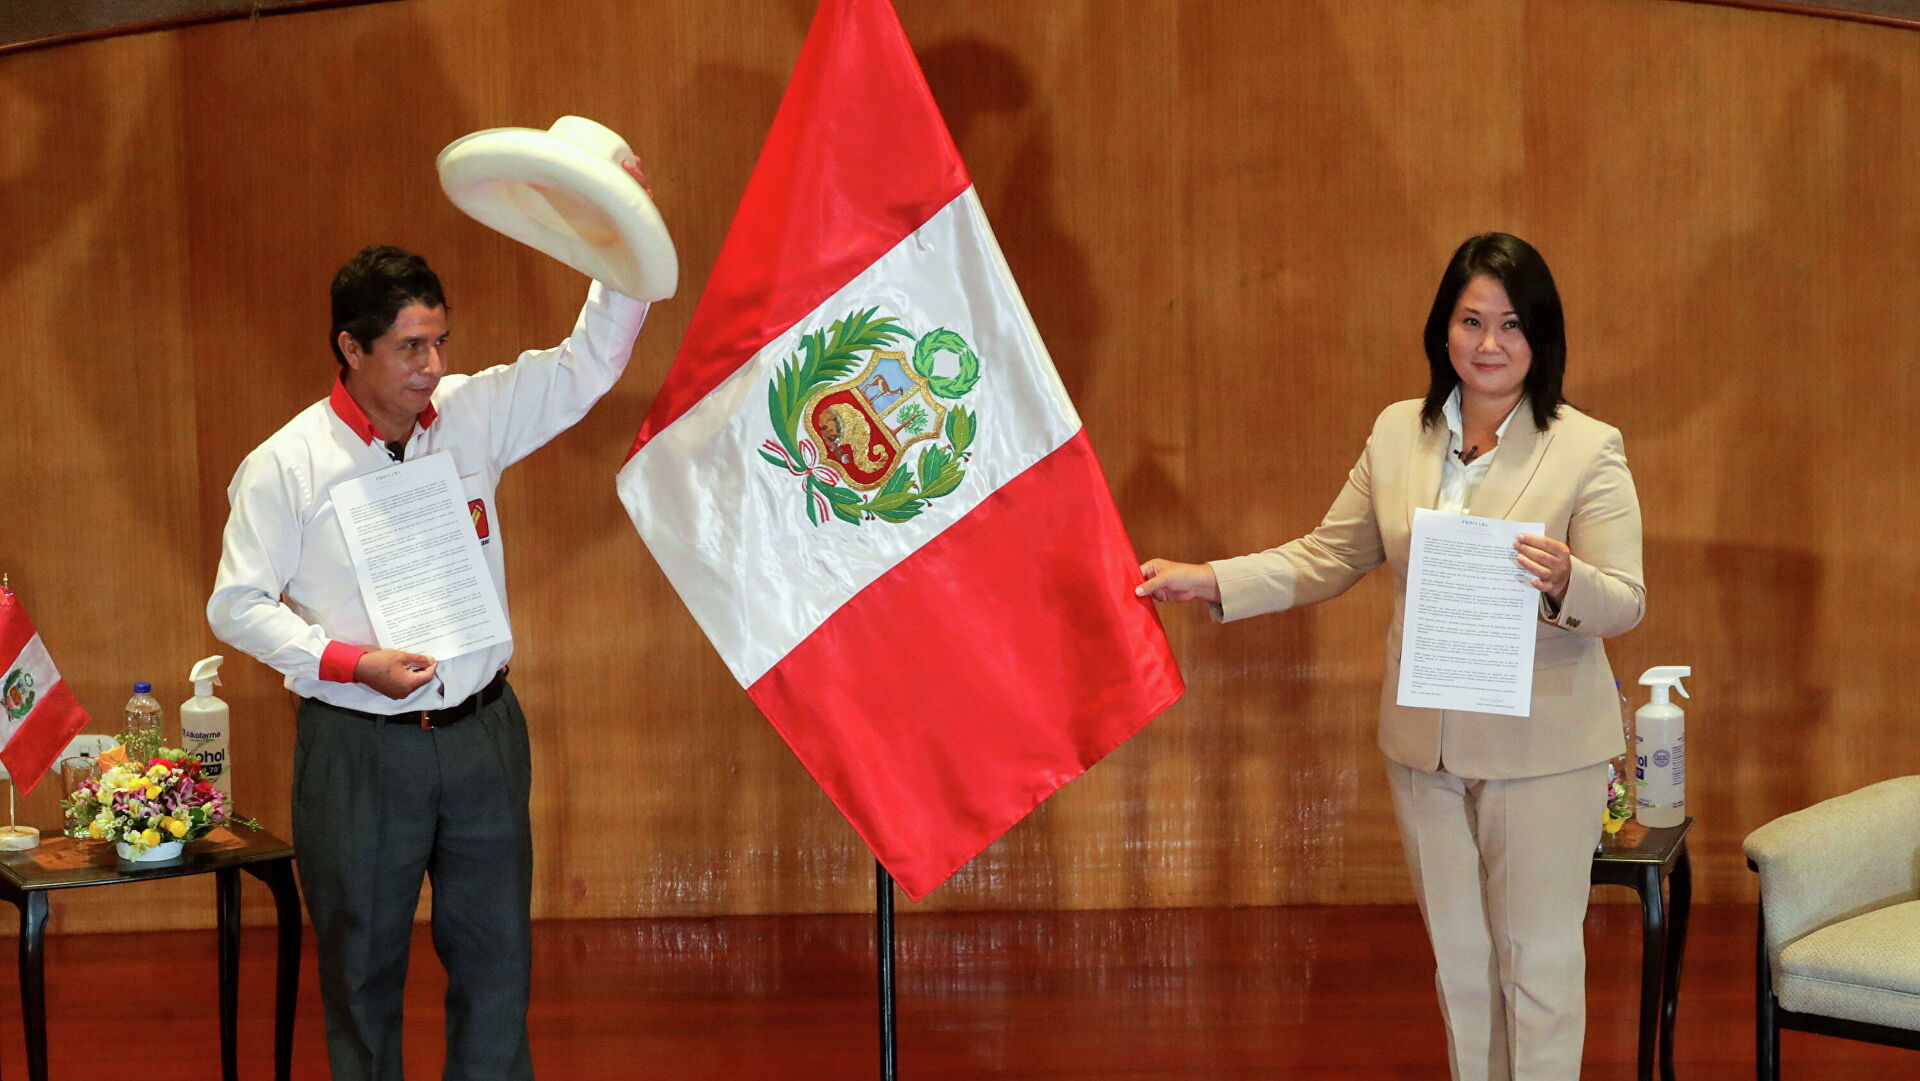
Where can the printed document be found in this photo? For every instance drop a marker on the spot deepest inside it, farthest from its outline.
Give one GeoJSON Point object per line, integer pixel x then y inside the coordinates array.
{"type": "Point", "coordinates": [418, 559]}
{"type": "Point", "coordinates": [1471, 616]}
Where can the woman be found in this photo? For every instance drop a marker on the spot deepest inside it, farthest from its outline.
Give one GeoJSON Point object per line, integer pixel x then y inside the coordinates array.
{"type": "Point", "coordinates": [1498, 815]}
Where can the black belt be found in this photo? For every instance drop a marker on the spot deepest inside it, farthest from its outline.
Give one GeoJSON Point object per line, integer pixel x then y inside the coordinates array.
{"type": "Point", "coordinates": [447, 715]}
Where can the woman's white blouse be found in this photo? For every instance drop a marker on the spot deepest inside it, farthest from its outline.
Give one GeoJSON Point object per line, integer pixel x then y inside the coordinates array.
{"type": "Point", "coordinates": [1459, 482]}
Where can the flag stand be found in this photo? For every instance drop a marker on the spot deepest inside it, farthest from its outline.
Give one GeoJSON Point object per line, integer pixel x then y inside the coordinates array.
{"type": "Point", "coordinates": [883, 948]}
{"type": "Point", "coordinates": [13, 836]}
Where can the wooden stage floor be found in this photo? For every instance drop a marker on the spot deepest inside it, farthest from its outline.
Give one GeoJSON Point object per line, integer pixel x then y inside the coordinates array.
{"type": "Point", "coordinates": [1325, 993]}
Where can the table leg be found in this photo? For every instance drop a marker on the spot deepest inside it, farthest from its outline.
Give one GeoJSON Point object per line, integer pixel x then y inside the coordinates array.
{"type": "Point", "coordinates": [227, 902]}
{"type": "Point", "coordinates": [278, 875]}
{"type": "Point", "coordinates": [33, 984]}
{"type": "Point", "coordinates": [1681, 902]}
{"type": "Point", "coordinates": [1653, 956]}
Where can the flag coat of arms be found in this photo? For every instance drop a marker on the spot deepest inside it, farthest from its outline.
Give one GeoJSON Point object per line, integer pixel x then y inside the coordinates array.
{"type": "Point", "coordinates": [866, 481]}
{"type": "Point", "coordinates": [38, 713]}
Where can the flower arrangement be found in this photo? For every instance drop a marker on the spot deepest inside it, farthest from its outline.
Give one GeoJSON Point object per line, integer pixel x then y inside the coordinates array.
{"type": "Point", "coordinates": [148, 803]}
{"type": "Point", "coordinates": [1619, 800]}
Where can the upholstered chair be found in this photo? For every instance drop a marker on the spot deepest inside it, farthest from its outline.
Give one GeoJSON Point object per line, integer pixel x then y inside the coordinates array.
{"type": "Point", "coordinates": [1839, 949]}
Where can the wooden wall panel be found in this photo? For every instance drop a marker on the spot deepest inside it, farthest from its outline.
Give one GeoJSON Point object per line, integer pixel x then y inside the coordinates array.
{"type": "Point", "coordinates": [1228, 219]}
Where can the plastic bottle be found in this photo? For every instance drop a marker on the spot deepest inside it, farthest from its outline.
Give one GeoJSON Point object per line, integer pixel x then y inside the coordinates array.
{"type": "Point", "coordinates": [1660, 750]}
{"type": "Point", "coordinates": [203, 725]}
{"type": "Point", "coordinates": [144, 714]}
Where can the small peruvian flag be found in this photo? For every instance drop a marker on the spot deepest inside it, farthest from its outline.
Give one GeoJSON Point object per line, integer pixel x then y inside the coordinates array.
{"type": "Point", "coordinates": [38, 713]}
{"type": "Point", "coordinates": [865, 479]}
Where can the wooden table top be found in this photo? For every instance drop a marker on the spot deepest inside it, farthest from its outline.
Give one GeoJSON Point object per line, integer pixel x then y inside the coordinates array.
{"type": "Point", "coordinates": [1636, 843]}
{"type": "Point", "coordinates": [63, 862]}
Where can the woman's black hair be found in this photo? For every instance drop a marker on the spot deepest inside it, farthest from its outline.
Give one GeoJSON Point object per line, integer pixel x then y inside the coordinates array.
{"type": "Point", "coordinates": [1536, 303]}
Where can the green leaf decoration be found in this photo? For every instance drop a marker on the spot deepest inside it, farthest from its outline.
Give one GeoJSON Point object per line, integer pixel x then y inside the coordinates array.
{"type": "Point", "coordinates": [946, 482]}
{"type": "Point", "coordinates": [902, 513]}
{"type": "Point", "coordinates": [892, 501]}
{"type": "Point", "coordinates": [841, 496]}
{"type": "Point", "coordinates": [806, 494]}
{"type": "Point", "coordinates": [846, 513]}
{"type": "Point", "coordinates": [931, 345]}
{"type": "Point", "coordinates": [914, 418]}
{"type": "Point", "coordinates": [960, 429]}
{"type": "Point", "coordinates": [897, 481]}
{"type": "Point", "coordinates": [932, 462]}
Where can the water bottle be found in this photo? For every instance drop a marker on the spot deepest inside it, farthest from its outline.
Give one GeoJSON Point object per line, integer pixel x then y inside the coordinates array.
{"type": "Point", "coordinates": [144, 719]}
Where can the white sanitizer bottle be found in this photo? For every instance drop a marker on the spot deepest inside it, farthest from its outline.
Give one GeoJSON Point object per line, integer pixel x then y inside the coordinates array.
{"type": "Point", "coordinates": [203, 726]}
{"type": "Point", "coordinates": [1660, 750]}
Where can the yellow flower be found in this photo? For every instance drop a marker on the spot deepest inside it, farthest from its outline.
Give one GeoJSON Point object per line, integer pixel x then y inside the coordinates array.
{"type": "Point", "coordinates": [150, 838]}
{"type": "Point", "coordinates": [94, 830]}
{"type": "Point", "coordinates": [1614, 824]}
{"type": "Point", "coordinates": [158, 770]}
{"type": "Point", "coordinates": [153, 791]}
{"type": "Point", "coordinates": [176, 827]}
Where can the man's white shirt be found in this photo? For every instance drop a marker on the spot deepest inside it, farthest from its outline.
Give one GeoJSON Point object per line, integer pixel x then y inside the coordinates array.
{"type": "Point", "coordinates": [286, 592]}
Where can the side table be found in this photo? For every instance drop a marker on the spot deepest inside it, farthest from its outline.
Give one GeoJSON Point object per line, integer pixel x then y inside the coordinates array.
{"type": "Point", "coordinates": [26, 879]}
{"type": "Point", "coordinates": [1642, 859]}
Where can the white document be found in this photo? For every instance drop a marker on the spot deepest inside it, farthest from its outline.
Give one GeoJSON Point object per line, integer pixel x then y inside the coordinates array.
{"type": "Point", "coordinates": [418, 559]}
{"type": "Point", "coordinates": [1467, 638]}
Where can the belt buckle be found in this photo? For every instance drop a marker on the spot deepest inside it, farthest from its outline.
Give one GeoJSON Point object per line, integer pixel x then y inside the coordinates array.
{"type": "Point", "coordinates": [426, 720]}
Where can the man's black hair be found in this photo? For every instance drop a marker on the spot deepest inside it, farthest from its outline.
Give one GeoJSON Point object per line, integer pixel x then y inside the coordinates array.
{"type": "Point", "coordinates": [373, 288]}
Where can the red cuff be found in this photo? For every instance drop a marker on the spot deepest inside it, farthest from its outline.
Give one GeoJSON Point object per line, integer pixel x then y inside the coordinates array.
{"type": "Point", "coordinates": [338, 662]}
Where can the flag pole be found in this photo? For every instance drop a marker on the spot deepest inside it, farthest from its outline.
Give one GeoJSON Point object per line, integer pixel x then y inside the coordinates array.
{"type": "Point", "coordinates": [883, 946]}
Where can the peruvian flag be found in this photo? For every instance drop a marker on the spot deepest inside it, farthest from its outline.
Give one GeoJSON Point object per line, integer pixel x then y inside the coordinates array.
{"type": "Point", "coordinates": [38, 714]}
{"type": "Point", "coordinates": [866, 481]}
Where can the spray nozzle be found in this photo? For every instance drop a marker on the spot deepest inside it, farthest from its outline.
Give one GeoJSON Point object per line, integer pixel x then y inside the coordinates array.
{"type": "Point", "coordinates": [206, 676]}
{"type": "Point", "coordinates": [1661, 677]}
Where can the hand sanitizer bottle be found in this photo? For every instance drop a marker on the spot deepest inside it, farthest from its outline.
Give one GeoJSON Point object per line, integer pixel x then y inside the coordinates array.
{"type": "Point", "coordinates": [1660, 750]}
{"type": "Point", "coordinates": [203, 726]}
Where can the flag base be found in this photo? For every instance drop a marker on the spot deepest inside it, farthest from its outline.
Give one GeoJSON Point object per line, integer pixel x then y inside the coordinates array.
{"type": "Point", "coordinates": [18, 838]}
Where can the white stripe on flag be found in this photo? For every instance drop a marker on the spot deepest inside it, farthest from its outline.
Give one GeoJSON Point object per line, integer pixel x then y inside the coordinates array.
{"type": "Point", "coordinates": [38, 666]}
{"type": "Point", "coordinates": [732, 532]}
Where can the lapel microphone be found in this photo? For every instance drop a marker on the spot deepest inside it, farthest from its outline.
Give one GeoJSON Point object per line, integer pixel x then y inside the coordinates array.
{"type": "Point", "coordinates": [1467, 456]}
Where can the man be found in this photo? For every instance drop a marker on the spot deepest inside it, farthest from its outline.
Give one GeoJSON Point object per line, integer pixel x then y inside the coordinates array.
{"type": "Point", "coordinates": [404, 765]}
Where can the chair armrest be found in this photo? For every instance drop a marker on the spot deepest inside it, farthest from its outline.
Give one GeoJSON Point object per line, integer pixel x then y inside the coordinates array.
{"type": "Point", "coordinates": [1838, 858]}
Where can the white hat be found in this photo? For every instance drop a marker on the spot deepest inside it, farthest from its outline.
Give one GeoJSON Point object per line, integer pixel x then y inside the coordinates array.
{"type": "Point", "coordinates": [563, 192]}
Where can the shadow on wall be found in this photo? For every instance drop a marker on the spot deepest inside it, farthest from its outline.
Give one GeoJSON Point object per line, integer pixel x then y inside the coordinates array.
{"type": "Point", "coordinates": [1764, 707]}
{"type": "Point", "coordinates": [1006, 138]}
{"type": "Point", "coordinates": [1827, 378]}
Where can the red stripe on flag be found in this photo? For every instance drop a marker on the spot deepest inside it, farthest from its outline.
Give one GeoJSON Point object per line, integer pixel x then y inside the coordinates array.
{"type": "Point", "coordinates": [56, 718]}
{"type": "Point", "coordinates": [858, 159]}
{"type": "Point", "coordinates": [997, 663]}
{"type": "Point", "coordinates": [16, 630]}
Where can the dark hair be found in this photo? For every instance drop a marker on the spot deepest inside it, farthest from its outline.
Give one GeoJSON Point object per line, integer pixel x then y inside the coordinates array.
{"type": "Point", "coordinates": [372, 289]}
{"type": "Point", "coordinates": [1536, 303]}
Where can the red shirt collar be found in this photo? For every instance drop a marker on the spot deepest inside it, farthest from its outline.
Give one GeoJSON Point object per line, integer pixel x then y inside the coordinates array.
{"type": "Point", "coordinates": [355, 418]}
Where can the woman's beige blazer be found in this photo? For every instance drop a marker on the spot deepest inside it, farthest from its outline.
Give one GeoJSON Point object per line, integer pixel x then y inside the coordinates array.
{"type": "Point", "coordinates": [1574, 478]}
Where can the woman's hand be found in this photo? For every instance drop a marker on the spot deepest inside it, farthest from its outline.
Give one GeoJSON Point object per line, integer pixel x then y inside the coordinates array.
{"type": "Point", "coordinates": [1549, 561]}
{"type": "Point", "coordinates": [1170, 581]}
